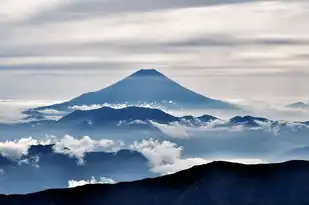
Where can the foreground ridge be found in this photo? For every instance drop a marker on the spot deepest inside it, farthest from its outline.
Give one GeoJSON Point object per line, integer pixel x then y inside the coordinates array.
{"type": "Point", "coordinates": [214, 183]}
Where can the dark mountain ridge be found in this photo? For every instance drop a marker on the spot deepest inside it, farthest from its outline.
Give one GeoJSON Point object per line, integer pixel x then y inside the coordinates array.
{"type": "Point", "coordinates": [214, 183]}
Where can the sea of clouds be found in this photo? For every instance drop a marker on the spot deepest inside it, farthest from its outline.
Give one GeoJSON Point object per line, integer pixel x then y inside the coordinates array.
{"type": "Point", "coordinates": [183, 146]}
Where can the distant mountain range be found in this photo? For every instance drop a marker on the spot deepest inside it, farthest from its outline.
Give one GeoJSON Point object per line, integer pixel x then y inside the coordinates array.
{"type": "Point", "coordinates": [299, 105]}
{"type": "Point", "coordinates": [144, 117]}
{"type": "Point", "coordinates": [130, 115]}
{"type": "Point", "coordinates": [141, 119]}
{"type": "Point", "coordinates": [106, 120]}
{"type": "Point", "coordinates": [42, 168]}
{"type": "Point", "coordinates": [213, 184]}
{"type": "Point", "coordinates": [146, 86]}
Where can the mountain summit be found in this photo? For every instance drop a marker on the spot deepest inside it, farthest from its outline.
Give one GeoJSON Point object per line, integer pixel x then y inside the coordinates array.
{"type": "Point", "coordinates": [147, 72]}
{"type": "Point", "coordinates": [146, 86]}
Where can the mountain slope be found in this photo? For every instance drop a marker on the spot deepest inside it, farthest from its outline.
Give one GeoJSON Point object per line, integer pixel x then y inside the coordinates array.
{"type": "Point", "coordinates": [145, 87]}
{"type": "Point", "coordinates": [107, 115]}
{"type": "Point", "coordinates": [249, 121]}
{"type": "Point", "coordinates": [214, 183]}
{"type": "Point", "coordinates": [141, 121]}
{"type": "Point", "coordinates": [43, 168]}
{"type": "Point", "coordinates": [299, 105]}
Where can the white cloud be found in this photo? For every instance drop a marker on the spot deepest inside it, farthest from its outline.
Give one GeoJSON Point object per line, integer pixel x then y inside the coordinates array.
{"type": "Point", "coordinates": [68, 145]}
{"type": "Point", "coordinates": [93, 180]}
{"type": "Point", "coordinates": [157, 152]}
{"type": "Point", "coordinates": [165, 156]}
{"type": "Point", "coordinates": [144, 28]}
{"type": "Point", "coordinates": [276, 110]}
{"type": "Point", "coordinates": [16, 149]}
{"type": "Point", "coordinates": [33, 160]}
{"type": "Point", "coordinates": [116, 106]}
{"type": "Point", "coordinates": [79, 147]}
{"type": "Point", "coordinates": [16, 10]}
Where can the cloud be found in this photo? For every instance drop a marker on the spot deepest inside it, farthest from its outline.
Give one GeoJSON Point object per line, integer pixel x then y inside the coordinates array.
{"type": "Point", "coordinates": [238, 38]}
{"type": "Point", "coordinates": [51, 114]}
{"type": "Point", "coordinates": [16, 149]}
{"type": "Point", "coordinates": [76, 9]}
{"type": "Point", "coordinates": [158, 152]}
{"type": "Point", "coordinates": [143, 27]}
{"type": "Point", "coordinates": [165, 156]}
{"type": "Point", "coordinates": [68, 145]}
{"type": "Point", "coordinates": [11, 109]}
{"type": "Point", "coordinates": [93, 180]}
{"type": "Point", "coordinates": [79, 147]}
{"type": "Point", "coordinates": [32, 160]}
{"type": "Point", "coordinates": [16, 10]}
{"type": "Point", "coordinates": [173, 130]}
{"type": "Point", "coordinates": [276, 111]}
{"type": "Point", "coordinates": [115, 106]}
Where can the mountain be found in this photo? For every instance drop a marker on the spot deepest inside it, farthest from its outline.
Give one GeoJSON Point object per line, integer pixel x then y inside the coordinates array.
{"type": "Point", "coordinates": [298, 153]}
{"type": "Point", "coordinates": [135, 122]}
{"type": "Point", "coordinates": [146, 86]}
{"type": "Point", "coordinates": [132, 122]}
{"type": "Point", "coordinates": [299, 105]}
{"type": "Point", "coordinates": [107, 116]}
{"type": "Point", "coordinates": [213, 184]}
{"type": "Point", "coordinates": [259, 123]}
{"type": "Point", "coordinates": [42, 168]}
{"type": "Point", "coordinates": [248, 121]}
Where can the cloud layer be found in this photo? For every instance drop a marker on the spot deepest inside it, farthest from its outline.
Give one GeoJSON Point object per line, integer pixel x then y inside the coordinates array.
{"type": "Point", "coordinates": [78, 147]}
{"type": "Point", "coordinates": [67, 145]}
{"type": "Point", "coordinates": [16, 149]}
{"type": "Point", "coordinates": [259, 44]}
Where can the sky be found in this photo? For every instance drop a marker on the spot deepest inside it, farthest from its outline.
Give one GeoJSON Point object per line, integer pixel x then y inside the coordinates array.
{"type": "Point", "coordinates": [236, 50]}
{"type": "Point", "coordinates": [251, 52]}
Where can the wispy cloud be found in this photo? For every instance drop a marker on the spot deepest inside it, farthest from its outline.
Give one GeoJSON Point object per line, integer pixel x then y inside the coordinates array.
{"type": "Point", "coordinates": [11, 109]}
{"type": "Point", "coordinates": [238, 38]}
{"type": "Point", "coordinates": [16, 10]}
